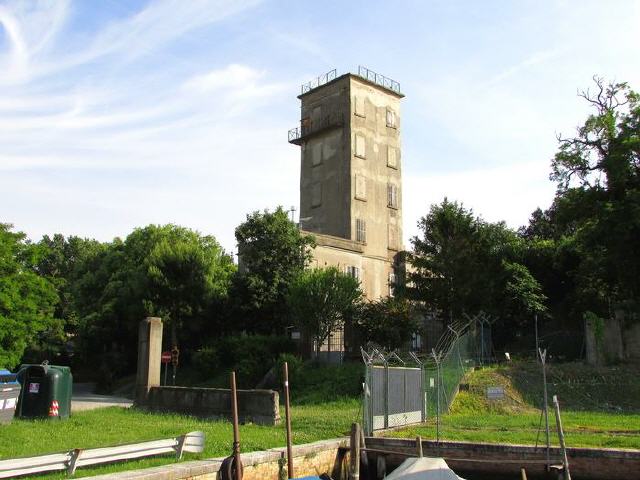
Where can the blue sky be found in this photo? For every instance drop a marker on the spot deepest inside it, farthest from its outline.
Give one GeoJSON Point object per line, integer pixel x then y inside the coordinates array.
{"type": "Point", "coordinates": [117, 114]}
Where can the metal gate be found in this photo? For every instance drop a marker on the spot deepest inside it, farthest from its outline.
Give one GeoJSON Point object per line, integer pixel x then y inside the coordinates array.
{"type": "Point", "coordinates": [393, 395]}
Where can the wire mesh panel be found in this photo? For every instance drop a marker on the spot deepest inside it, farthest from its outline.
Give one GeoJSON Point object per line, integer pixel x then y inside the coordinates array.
{"type": "Point", "coordinates": [399, 393]}
{"type": "Point", "coordinates": [404, 396]}
{"type": "Point", "coordinates": [393, 396]}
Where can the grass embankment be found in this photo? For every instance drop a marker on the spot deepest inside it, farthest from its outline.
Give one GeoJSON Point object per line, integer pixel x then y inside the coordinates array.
{"type": "Point", "coordinates": [320, 410]}
{"type": "Point", "coordinates": [599, 407]}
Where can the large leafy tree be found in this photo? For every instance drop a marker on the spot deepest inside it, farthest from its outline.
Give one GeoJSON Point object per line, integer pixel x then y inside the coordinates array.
{"type": "Point", "coordinates": [163, 270]}
{"type": "Point", "coordinates": [62, 262]}
{"type": "Point", "coordinates": [27, 299]}
{"type": "Point", "coordinates": [322, 300]}
{"type": "Point", "coordinates": [591, 230]}
{"type": "Point", "coordinates": [272, 253]}
{"type": "Point", "coordinates": [444, 259]}
{"type": "Point", "coordinates": [463, 265]}
{"type": "Point", "coordinates": [186, 276]}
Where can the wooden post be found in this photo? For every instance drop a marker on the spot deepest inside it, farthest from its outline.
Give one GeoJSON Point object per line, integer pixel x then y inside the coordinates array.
{"type": "Point", "coordinates": [365, 457]}
{"type": "Point", "coordinates": [236, 429]}
{"type": "Point", "coordinates": [523, 472]}
{"type": "Point", "coordinates": [565, 461]}
{"type": "Point", "coordinates": [355, 451]}
{"type": "Point", "coordinates": [419, 446]}
{"type": "Point", "coordinates": [287, 415]}
{"type": "Point", "coordinates": [543, 360]}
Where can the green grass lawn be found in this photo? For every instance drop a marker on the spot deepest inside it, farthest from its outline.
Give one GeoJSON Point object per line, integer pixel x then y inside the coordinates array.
{"type": "Point", "coordinates": [582, 429]}
{"type": "Point", "coordinates": [600, 407]}
{"type": "Point", "coordinates": [112, 426]}
{"type": "Point", "coordinates": [326, 403]}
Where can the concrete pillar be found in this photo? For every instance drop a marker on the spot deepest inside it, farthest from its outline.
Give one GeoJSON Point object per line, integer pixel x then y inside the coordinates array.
{"type": "Point", "coordinates": [149, 353]}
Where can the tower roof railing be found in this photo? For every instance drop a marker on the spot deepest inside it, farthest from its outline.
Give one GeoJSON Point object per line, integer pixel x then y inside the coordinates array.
{"type": "Point", "coordinates": [363, 72]}
{"type": "Point", "coordinates": [378, 79]}
{"type": "Point", "coordinates": [319, 81]}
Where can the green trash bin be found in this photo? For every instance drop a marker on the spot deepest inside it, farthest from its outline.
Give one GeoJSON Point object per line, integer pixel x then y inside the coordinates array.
{"type": "Point", "coordinates": [46, 391]}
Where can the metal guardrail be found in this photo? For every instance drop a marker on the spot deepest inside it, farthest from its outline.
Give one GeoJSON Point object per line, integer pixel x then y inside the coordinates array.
{"type": "Point", "coordinates": [321, 80]}
{"type": "Point", "coordinates": [378, 79]}
{"type": "Point", "coordinates": [308, 127]}
{"type": "Point", "coordinates": [363, 72]}
{"type": "Point", "coordinates": [73, 459]}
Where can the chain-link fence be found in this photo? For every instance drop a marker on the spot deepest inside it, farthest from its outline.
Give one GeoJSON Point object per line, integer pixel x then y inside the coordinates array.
{"type": "Point", "coordinates": [405, 388]}
{"type": "Point", "coordinates": [456, 352]}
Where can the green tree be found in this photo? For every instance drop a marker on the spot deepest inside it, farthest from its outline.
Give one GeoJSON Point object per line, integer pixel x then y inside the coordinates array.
{"type": "Point", "coordinates": [322, 300]}
{"type": "Point", "coordinates": [61, 262]}
{"type": "Point", "coordinates": [162, 270]}
{"type": "Point", "coordinates": [389, 322]}
{"type": "Point", "coordinates": [272, 252]}
{"type": "Point", "coordinates": [464, 265]}
{"type": "Point", "coordinates": [27, 299]}
{"type": "Point", "coordinates": [185, 276]}
{"type": "Point", "coordinates": [594, 221]}
{"type": "Point", "coordinates": [444, 259]}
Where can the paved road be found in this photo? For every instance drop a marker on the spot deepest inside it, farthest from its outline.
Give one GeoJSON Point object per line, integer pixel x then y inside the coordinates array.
{"type": "Point", "coordinates": [84, 399]}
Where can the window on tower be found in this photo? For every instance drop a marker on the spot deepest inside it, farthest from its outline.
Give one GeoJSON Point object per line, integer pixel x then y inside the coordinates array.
{"type": "Point", "coordinates": [392, 284]}
{"type": "Point", "coordinates": [361, 230]}
{"type": "Point", "coordinates": [316, 154]}
{"type": "Point", "coordinates": [353, 271]}
{"type": "Point", "coordinates": [392, 157]}
{"type": "Point", "coordinates": [393, 237]}
{"type": "Point", "coordinates": [361, 150]}
{"type": "Point", "coordinates": [391, 119]}
{"type": "Point", "coordinates": [316, 195]}
{"type": "Point", "coordinates": [361, 187]}
{"type": "Point", "coordinates": [392, 195]}
{"type": "Point", "coordinates": [359, 106]}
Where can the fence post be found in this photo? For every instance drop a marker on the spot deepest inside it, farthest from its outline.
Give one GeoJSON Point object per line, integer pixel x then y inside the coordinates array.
{"type": "Point", "coordinates": [386, 394]}
{"type": "Point", "coordinates": [436, 358]}
{"type": "Point", "coordinates": [543, 358]}
{"type": "Point", "coordinates": [73, 460]}
{"type": "Point", "coordinates": [565, 461]}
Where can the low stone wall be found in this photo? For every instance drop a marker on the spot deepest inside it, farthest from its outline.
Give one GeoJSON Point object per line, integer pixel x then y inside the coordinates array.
{"type": "Point", "coordinates": [254, 406]}
{"type": "Point", "coordinates": [328, 456]}
{"type": "Point", "coordinates": [494, 459]}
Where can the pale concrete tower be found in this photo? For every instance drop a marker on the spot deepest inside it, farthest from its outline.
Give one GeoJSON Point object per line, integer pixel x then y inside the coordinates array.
{"type": "Point", "coordinates": [350, 175]}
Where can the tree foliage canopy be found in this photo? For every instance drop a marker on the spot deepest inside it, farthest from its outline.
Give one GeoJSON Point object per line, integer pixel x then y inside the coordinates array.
{"type": "Point", "coordinates": [27, 299]}
{"type": "Point", "coordinates": [272, 252]}
{"type": "Point", "coordinates": [593, 224]}
{"type": "Point", "coordinates": [389, 322]}
{"type": "Point", "coordinates": [321, 301]}
{"type": "Point", "coordinates": [463, 265]}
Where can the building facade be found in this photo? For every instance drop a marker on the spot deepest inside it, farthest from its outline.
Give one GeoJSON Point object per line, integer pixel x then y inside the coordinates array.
{"type": "Point", "coordinates": [351, 176]}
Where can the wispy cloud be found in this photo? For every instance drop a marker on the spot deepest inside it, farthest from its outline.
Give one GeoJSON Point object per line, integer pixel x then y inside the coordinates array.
{"type": "Point", "coordinates": [534, 59]}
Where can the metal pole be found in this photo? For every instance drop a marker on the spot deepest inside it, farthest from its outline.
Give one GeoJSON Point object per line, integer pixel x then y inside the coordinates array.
{"type": "Point", "coordinates": [287, 414]}
{"type": "Point", "coordinates": [437, 360]}
{"type": "Point", "coordinates": [565, 461]}
{"type": "Point", "coordinates": [166, 369]}
{"type": "Point", "coordinates": [236, 429]}
{"type": "Point", "coordinates": [535, 318]}
{"type": "Point", "coordinates": [543, 358]}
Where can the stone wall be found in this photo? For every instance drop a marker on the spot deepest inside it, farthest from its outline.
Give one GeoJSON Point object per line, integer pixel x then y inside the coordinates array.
{"type": "Point", "coordinates": [328, 456]}
{"type": "Point", "coordinates": [507, 460]}
{"type": "Point", "coordinates": [254, 406]}
{"type": "Point", "coordinates": [614, 340]}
